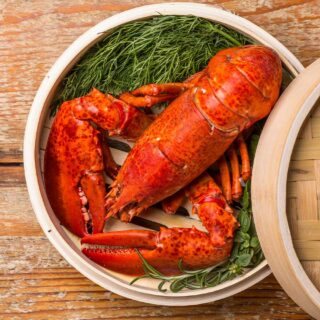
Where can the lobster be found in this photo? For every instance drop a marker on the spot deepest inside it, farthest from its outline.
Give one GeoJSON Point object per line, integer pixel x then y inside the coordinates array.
{"type": "Point", "coordinates": [208, 113]}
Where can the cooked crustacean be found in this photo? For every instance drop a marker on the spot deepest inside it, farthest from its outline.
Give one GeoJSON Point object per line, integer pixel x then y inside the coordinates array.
{"type": "Point", "coordinates": [76, 156]}
{"type": "Point", "coordinates": [209, 111]}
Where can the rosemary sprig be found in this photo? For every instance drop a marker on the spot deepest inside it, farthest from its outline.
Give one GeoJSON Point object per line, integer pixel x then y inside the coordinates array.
{"type": "Point", "coordinates": [158, 50]}
{"type": "Point", "coordinates": [246, 252]}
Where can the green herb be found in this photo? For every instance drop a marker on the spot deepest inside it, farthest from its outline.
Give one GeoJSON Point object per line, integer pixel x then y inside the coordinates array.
{"type": "Point", "coordinates": [246, 253]}
{"type": "Point", "coordinates": [158, 50]}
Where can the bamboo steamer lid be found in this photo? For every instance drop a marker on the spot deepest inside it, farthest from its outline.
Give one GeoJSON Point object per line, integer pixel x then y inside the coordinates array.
{"type": "Point", "coordinates": [286, 190]}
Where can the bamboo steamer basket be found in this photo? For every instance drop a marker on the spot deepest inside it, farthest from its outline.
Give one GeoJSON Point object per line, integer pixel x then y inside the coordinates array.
{"type": "Point", "coordinates": [286, 190]}
{"type": "Point", "coordinates": [36, 134]}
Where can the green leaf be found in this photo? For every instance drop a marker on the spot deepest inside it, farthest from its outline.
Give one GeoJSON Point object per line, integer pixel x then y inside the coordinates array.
{"type": "Point", "coordinates": [235, 251]}
{"type": "Point", "coordinates": [238, 238]}
{"type": "Point", "coordinates": [244, 259]}
{"type": "Point", "coordinates": [246, 244]}
{"type": "Point", "coordinates": [254, 242]}
{"type": "Point", "coordinates": [245, 200]}
{"type": "Point", "coordinates": [244, 220]}
{"type": "Point", "coordinates": [226, 276]}
{"type": "Point", "coordinates": [245, 236]}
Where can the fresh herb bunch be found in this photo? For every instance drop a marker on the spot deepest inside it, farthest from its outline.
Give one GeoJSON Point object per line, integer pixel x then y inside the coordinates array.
{"type": "Point", "coordinates": [161, 49]}
{"type": "Point", "coordinates": [246, 252]}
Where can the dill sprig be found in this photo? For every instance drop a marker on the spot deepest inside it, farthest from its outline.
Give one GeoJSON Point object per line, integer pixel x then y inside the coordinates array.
{"type": "Point", "coordinates": [246, 252]}
{"type": "Point", "coordinates": [158, 50]}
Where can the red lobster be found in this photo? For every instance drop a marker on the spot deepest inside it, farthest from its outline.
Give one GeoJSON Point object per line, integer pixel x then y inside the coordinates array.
{"type": "Point", "coordinates": [209, 111]}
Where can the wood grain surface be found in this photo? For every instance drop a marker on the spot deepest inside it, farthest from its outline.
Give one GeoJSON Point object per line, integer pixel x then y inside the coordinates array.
{"type": "Point", "coordinates": [35, 281]}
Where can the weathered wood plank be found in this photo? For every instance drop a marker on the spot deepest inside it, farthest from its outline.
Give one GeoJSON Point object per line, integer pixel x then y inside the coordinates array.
{"type": "Point", "coordinates": [17, 217]}
{"type": "Point", "coordinates": [38, 284]}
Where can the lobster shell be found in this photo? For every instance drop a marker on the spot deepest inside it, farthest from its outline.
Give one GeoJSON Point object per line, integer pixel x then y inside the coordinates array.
{"type": "Point", "coordinates": [238, 88]}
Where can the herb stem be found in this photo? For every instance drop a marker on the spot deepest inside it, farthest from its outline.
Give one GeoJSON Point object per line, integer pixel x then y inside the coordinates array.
{"type": "Point", "coordinates": [226, 35]}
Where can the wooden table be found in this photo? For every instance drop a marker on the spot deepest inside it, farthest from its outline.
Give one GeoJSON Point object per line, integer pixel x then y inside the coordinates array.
{"type": "Point", "coordinates": [35, 281]}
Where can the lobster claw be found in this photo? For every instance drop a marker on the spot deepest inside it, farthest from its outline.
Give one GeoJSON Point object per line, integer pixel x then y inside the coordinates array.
{"type": "Point", "coordinates": [76, 157]}
{"type": "Point", "coordinates": [71, 204]}
{"type": "Point", "coordinates": [163, 250]}
{"type": "Point", "coordinates": [74, 172]}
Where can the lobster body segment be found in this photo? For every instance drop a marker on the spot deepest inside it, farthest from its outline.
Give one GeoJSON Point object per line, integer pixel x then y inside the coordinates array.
{"type": "Point", "coordinates": [238, 88]}
{"type": "Point", "coordinates": [158, 165]}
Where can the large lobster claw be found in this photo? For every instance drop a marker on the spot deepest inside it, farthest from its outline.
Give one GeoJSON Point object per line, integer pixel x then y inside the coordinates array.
{"type": "Point", "coordinates": [75, 157]}
{"type": "Point", "coordinates": [164, 249]}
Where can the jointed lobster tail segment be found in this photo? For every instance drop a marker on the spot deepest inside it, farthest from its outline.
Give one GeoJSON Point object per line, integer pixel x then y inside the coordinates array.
{"type": "Point", "coordinates": [74, 163]}
{"type": "Point", "coordinates": [238, 88]}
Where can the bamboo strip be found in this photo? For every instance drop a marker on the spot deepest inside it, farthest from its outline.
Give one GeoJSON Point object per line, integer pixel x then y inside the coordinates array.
{"type": "Point", "coordinates": [306, 230]}
{"type": "Point", "coordinates": [301, 170]}
{"type": "Point", "coordinates": [308, 251]}
{"type": "Point", "coordinates": [307, 149]}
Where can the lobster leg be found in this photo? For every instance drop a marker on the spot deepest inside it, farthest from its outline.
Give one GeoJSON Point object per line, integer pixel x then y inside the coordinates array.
{"type": "Point", "coordinates": [110, 166]}
{"type": "Point", "coordinates": [245, 161]}
{"type": "Point", "coordinates": [145, 101]}
{"type": "Point", "coordinates": [171, 204]}
{"type": "Point", "coordinates": [151, 94]}
{"type": "Point", "coordinates": [234, 162]}
{"type": "Point", "coordinates": [165, 248]}
{"type": "Point", "coordinates": [225, 178]}
{"type": "Point", "coordinates": [175, 88]}
{"type": "Point", "coordinates": [116, 116]}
